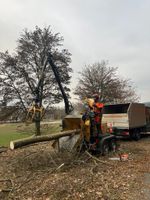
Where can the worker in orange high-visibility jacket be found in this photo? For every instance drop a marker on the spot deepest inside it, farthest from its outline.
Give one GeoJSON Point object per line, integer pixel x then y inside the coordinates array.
{"type": "Point", "coordinates": [97, 107]}
{"type": "Point", "coordinates": [94, 115]}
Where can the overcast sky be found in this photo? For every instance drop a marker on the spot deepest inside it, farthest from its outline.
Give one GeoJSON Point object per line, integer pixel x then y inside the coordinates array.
{"type": "Point", "coordinates": [93, 30]}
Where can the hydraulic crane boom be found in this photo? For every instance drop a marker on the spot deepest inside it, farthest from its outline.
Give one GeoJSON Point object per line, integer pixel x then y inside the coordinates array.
{"type": "Point", "coordinates": [68, 105]}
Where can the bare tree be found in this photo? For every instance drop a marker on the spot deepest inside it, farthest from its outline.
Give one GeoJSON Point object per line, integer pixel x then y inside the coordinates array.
{"type": "Point", "coordinates": [26, 73]}
{"type": "Point", "coordinates": [102, 79]}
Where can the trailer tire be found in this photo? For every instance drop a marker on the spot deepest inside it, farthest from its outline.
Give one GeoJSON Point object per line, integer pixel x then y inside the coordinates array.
{"type": "Point", "coordinates": [135, 135]}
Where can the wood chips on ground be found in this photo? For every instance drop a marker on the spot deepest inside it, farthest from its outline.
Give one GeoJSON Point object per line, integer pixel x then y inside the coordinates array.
{"type": "Point", "coordinates": [37, 172]}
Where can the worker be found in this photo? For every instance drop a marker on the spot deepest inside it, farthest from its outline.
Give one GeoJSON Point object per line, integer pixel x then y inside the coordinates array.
{"type": "Point", "coordinates": [97, 107]}
{"type": "Point", "coordinates": [95, 121]}
{"type": "Point", "coordinates": [92, 117]}
{"type": "Point", "coordinates": [88, 119]}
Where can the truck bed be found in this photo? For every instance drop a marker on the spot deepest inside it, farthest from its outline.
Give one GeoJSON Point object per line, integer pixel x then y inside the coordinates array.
{"type": "Point", "coordinates": [124, 116]}
{"type": "Point", "coordinates": [116, 120]}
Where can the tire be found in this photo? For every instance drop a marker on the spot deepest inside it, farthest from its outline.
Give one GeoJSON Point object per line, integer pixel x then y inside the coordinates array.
{"type": "Point", "coordinates": [135, 135]}
{"type": "Point", "coordinates": [113, 145]}
{"type": "Point", "coordinates": [105, 148]}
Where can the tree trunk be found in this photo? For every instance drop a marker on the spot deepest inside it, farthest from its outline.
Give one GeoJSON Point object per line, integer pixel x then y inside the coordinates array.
{"type": "Point", "coordinates": [38, 124]}
{"type": "Point", "coordinates": [37, 128]}
{"type": "Point", "coordinates": [26, 141]}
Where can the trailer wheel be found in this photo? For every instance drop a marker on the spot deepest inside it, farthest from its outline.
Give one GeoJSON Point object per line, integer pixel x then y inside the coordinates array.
{"type": "Point", "coordinates": [135, 135]}
{"type": "Point", "coordinates": [105, 148]}
{"type": "Point", "coordinates": [113, 145]}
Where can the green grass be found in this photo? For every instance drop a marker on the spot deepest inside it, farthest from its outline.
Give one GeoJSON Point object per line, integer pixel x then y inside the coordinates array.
{"type": "Point", "coordinates": [10, 132]}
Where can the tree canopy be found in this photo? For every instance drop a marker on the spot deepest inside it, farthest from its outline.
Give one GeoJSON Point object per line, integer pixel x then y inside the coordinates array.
{"type": "Point", "coordinates": [102, 79]}
{"type": "Point", "coordinates": [21, 71]}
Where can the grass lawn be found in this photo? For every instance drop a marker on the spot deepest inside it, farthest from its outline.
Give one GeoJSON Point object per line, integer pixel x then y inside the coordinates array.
{"type": "Point", "coordinates": [16, 131]}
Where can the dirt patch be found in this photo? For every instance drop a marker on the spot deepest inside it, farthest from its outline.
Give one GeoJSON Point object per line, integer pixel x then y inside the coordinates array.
{"type": "Point", "coordinates": [38, 172]}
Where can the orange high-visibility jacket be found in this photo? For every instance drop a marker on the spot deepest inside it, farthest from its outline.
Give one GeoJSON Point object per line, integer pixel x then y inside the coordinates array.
{"type": "Point", "coordinates": [98, 109]}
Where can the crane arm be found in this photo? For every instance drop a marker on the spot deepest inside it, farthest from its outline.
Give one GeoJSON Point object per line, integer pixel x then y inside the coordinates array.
{"type": "Point", "coordinates": [68, 105]}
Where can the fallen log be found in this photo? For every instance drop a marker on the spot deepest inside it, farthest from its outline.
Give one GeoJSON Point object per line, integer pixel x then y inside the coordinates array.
{"type": "Point", "coordinates": [26, 141]}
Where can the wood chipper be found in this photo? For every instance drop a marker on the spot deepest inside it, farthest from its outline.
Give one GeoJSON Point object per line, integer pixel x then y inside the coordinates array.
{"type": "Point", "coordinates": [88, 137]}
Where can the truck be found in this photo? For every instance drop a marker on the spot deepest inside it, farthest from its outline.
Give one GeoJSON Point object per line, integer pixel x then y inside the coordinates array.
{"type": "Point", "coordinates": [127, 119]}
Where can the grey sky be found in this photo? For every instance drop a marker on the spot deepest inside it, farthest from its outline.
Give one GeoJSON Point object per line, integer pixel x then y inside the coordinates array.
{"type": "Point", "coordinates": [113, 30]}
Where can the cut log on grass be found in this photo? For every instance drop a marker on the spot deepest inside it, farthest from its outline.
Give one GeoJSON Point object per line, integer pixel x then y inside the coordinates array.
{"type": "Point", "coordinates": [26, 141]}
